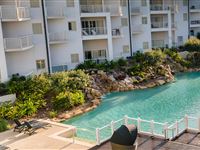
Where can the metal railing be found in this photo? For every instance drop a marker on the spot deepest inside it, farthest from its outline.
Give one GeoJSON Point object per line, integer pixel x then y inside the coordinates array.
{"type": "Point", "coordinates": [58, 36]}
{"type": "Point", "coordinates": [158, 43]}
{"type": "Point", "coordinates": [159, 24]}
{"type": "Point", "coordinates": [55, 12]}
{"type": "Point", "coordinates": [15, 13]}
{"type": "Point", "coordinates": [194, 22]}
{"type": "Point", "coordinates": [161, 7]}
{"type": "Point", "coordinates": [94, 31]}
{"type": "Point", "coordinates": [18, 43]}
{"type": "Point", "coordinates": [112, 9]}
{"type": "Point", "coordinates": [150, 128]}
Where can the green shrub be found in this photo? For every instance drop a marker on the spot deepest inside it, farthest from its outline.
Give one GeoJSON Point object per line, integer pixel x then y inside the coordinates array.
{"type": "Point", "coordinates": [3, 89]}
{"type": "Point", "coordinates": [6, 110]}
{"type": "Point", "coordinates": [3, 125]}
{"type": "Point", "coordinates": [192, 44]}
{"type": "Point", "coordinates": [67, 100]}
{"type": "Point", "coordinates": [53, 114]}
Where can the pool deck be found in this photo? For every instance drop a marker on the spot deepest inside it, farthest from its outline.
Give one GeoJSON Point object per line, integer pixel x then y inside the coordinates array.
{"type": "Point", "coordinates": [50, 137]}
{"type": "Point", "coordinates": [187, 141]}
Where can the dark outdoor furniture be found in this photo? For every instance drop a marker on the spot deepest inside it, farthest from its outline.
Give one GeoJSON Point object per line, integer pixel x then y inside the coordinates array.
{"type": "Point", "coordinates": [19, 126]}
{"type": "Point", "coordinates": [124, 138]}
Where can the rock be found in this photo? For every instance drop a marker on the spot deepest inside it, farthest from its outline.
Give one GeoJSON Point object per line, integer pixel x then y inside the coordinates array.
{"type": "Point", "coordinates": [160, 82]}
{"type": "Point", "coordinates": [111, 78]}
{"type": "Point", "coordinates": [151, 84]}
{"type": "Point", "coordinates": [78, 112]}
{"type": "Point", "coordinates": [96, 102]}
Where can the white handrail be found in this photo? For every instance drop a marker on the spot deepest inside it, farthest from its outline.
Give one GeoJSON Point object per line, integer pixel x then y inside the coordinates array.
{"type": "Point", "coordinates": [174, 128]}
{"type": "Point", "coordinates": [94, 31]}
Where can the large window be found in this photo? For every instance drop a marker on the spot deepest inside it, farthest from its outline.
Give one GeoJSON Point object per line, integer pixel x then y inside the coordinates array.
{"type": "Point", "coordinates": [145, 45]}
{"type": "Point", "coordinates": [123, 3]}
{"type": "Point", "coordinates": [144, 3]}
{"type": "Point", "coordinates": [95, 54]}
{"type": "Point", "coordinates": [185, 2]}
{"type": "Point", "coordinates": [126, 49]}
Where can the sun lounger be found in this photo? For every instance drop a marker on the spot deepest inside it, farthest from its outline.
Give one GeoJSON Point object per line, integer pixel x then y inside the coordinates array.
{"type": "Point", "coordinates": [19, 126]}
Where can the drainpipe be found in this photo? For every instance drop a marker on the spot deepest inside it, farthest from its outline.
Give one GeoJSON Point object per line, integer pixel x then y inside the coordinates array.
{"type": "Point", "coordinates": [130, 29]}
{"type": "Point", "coordinates": [46, 36]}
{"type": "Point", "coordinates": [188, 19]}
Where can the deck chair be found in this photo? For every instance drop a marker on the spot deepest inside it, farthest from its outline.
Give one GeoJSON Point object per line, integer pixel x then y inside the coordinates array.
{"type": "Point", "coordinates": [30, 129]}
{"type": "Point", "coordinates": [19, 126]}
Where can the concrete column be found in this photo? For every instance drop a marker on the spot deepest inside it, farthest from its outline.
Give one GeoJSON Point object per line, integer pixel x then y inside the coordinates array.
{"type": "Point", "coordinates": [109, 35]}
{"type": "Point", "coordinates": [169, 29]}
{"type": "Point", "coordinates": [3, 65]}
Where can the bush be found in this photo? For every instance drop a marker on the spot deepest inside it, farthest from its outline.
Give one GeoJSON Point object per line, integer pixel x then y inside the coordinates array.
{"type": "Point", "coordinates": [3, 125]}
{"type": "Point", "coordinates": [67, 100]}
{"type": "Point", "coordinates": [3, 89]}
{"type": "Point", "coordinates": [53, 114]}
{"type": "Point", "coordinates": [192, 44]}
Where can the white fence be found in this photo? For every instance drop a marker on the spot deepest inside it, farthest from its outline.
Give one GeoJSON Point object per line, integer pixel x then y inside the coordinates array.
{"type": "Point", "coordinates": [94, 31]}
{"type": "Point", "coordinates": [150, 128]}
{"type": "Point", "coordinates": [14, 13]}
{"type": "Point", "coordinates": [19, 43]}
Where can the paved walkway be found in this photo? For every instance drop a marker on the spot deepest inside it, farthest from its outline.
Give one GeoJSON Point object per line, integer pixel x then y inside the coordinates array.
{"type": "Point", "coordinates": [51, 137]}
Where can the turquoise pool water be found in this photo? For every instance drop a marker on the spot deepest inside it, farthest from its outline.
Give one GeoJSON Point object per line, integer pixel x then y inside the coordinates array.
{"type": "Point", "coordinates": [166, 103]}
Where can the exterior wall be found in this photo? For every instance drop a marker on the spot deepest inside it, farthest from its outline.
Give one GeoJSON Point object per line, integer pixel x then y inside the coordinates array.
{"type": "Point", "coordinates": [24, 62]}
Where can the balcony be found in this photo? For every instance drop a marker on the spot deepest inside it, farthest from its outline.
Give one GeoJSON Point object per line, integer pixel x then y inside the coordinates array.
{"type": "Point", "coordinates": [18, 44]}
{"type": "Point", "coordinates": [195, 8]}
{"type": "Point", "coordinates": [195, 23]}
{"type": "Point", "coordinates": [12, 13]}
{"type": "Point", "coordinates": [161, 8]}
{"type": "Point", "coordinates": [159, 26]}
{"type": "Point", "coordinates": [114, 10]}
{"type": "Point", "coordinates": [54, 12]}
{"type": "Point", "coordinates": [58, 37]}
{"type": "Point", "coordinates": [158, 44]}
{"type": "Point", "coordinates": [135, 11]}
{"type": "Point", "coordinates": [116, 33]}
{"type": "Point", "coordinates": [137, 29]}
{"type": "Point", "coordinates": [94, 33]}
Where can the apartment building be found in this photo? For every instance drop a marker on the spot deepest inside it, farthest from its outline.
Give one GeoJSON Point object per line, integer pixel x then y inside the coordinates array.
{"type": "Point", "coordinates": [55, 35]}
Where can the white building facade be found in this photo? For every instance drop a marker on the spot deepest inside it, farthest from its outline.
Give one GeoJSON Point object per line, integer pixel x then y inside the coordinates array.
{"type": "Point", "coordinates": [54, 35]}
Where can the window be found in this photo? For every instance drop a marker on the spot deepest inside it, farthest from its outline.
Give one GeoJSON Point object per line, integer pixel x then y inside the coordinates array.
{"type": "Point", "coordinates": [70, 3]}
{"type": "Point", "coordinates": [144, 2]}
{"type": "Point", "coordinates": [185, 2]}
{"type": "Point", "coordinates": [37, 28]}
{"type": "Point", "coordinates": [35, 3]}
{"type": "Point", "coordinates": [72, 26]}
{"type": "Point", "coordinates": [123, 3]}
{"type": "Point", "coordinates": [185, 17]}
{"type": "Point", "coordinates": [40, 64]}
{"type": "Point", "coordinates": [145, 45]}
{"type": "Point", "coordinates": [124, 22]}
{"type": "Point", "coordinates": [144, 20]}
{"type": "Point", "coordinates": [75, 58]}
{"type": "Point", "coordinates": [126, 49]}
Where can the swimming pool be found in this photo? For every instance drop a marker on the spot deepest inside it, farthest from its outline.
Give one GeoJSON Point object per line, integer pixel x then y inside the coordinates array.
{"type": "Point", "coordinates": [166, 103]}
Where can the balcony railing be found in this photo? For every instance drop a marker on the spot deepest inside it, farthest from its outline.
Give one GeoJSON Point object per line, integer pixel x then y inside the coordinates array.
{"type": "Point", "coordinates": [195, 22]}
{"type": "Point", "coordinates": [94, 31]}
{"type": "Point", "coordinates": [114, 10]}
{"type": "Point", "coordinates": [59, 68]}
{"type": "Point", "coordinates": [135, 11]}
{"type": "Point", "coordinates": [55, 12]}
{"type": "Point", "coordinates": [159, 24]}
{"type": "Point", "coordinates": [11, 13]}
{"type": "Point", "coordinates": [161, 7]}
{"type": "Point", "coordinates": [195, 7]}
{"type": "Point", "coordinates": [58, 37]}
{"type": "Point", "coordinates": [158, 44]}
{"type": "Point", "coordinates": [18, 44]}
